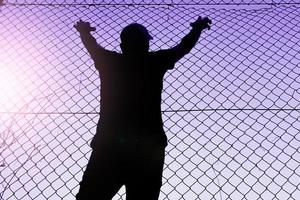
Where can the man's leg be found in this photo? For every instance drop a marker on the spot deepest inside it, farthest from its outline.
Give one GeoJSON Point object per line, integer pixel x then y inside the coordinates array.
{"type": "Point", "coordinates": [146, 176]}
{"type": "Point", "coordinates": [101, 179]}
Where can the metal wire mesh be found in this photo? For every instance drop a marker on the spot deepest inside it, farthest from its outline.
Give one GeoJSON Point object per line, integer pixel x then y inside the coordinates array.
{"type": "Point", "coordinates": [230, 108]}
{"type": "Point", "coordinates": [152, 2]}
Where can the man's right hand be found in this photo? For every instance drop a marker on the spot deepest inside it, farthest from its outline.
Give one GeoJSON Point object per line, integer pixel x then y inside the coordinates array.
{"type": "Point", "coordinates": [202, 23]}
{"type": "Point", "coordinates": [84, 27]}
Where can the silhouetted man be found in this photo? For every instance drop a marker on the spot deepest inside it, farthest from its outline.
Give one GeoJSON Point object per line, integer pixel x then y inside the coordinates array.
{"type": "Point", "coordinates": [129, 146]}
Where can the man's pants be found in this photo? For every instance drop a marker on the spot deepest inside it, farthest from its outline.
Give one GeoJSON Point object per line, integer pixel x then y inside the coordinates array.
{"type": "Point", "coordinates": [138, 167]}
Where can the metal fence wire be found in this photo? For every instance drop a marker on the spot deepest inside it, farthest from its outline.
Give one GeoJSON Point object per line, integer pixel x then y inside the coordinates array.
{"type": "Point", "coordinates": [230, 107]}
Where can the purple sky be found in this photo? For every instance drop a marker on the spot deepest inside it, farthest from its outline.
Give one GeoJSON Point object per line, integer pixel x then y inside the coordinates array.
{"type": "Point", "coordinates": [248, 60]}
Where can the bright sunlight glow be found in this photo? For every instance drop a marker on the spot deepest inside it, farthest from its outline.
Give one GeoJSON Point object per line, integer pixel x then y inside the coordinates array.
{"type": "Point", "coordinates": [11, 89]}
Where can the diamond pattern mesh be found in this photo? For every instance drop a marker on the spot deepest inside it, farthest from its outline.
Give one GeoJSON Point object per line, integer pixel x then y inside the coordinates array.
{"type": "Point", "coordinates": [230, 107]}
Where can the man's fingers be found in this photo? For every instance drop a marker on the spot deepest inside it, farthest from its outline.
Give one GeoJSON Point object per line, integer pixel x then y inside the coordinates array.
{"type": "Point", "coordinates": [208, 21]}
{"type": "Point", "coordinates": [203, 20]}
{"type": "Point", "coordinates": [83, 26]}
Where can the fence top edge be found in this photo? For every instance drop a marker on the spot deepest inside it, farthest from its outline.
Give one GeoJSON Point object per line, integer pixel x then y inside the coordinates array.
{"type": "Point", "coordinates": [222, 4]}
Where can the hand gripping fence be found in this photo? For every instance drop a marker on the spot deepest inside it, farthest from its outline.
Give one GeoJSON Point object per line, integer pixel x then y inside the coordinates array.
{"type": "Point", "coordinates": [230, 107]}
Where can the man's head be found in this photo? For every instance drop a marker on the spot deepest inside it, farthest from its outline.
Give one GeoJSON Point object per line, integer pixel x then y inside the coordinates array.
{"type": "Point", "coordinates": [135, 39]}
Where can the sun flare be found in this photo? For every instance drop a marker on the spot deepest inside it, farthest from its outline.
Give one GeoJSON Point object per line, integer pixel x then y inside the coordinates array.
{"type": "Point", "coordinates": [11, 89]}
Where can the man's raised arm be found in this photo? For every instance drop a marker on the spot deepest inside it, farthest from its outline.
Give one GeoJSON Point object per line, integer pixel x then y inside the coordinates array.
{"type": "Point", "coordinates": [90, 43]}
{"type": "Point", "coordinates": [170, 56]}
{"type": "Point", "coordinates": [190, 40]}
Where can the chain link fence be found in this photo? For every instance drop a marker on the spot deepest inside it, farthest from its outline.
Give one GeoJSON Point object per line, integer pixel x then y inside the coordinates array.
{"type": "Point", "coordinates": [230, 107]}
